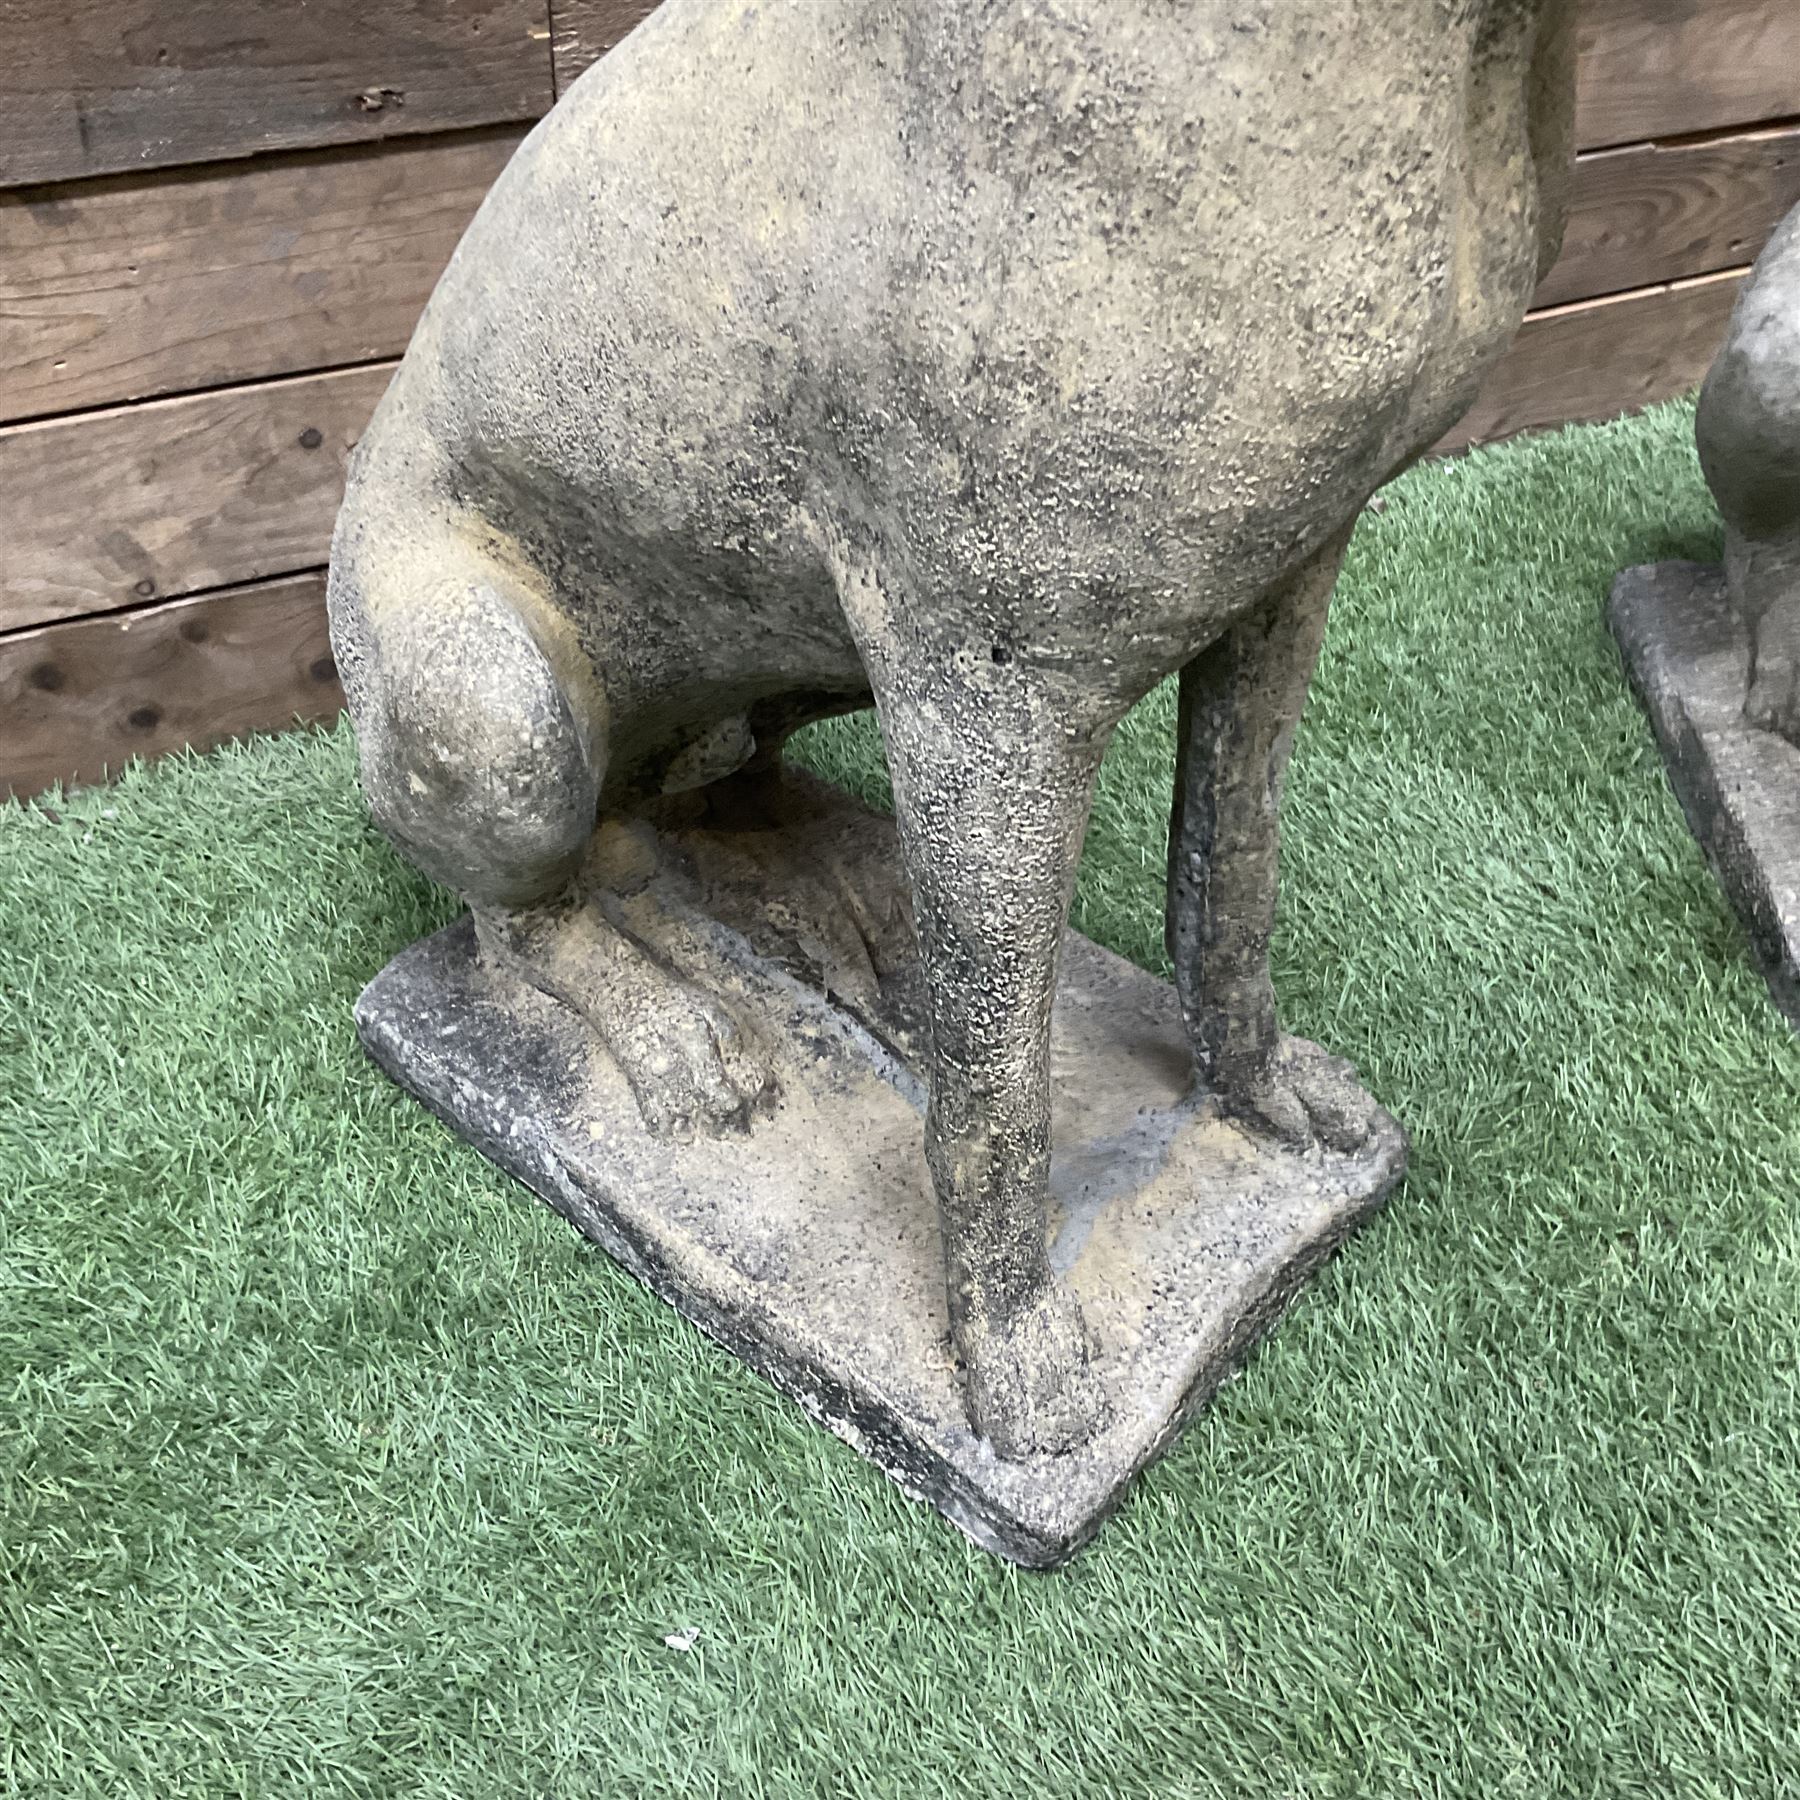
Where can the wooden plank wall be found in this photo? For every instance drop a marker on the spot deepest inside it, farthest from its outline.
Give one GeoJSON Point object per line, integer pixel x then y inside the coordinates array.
{"type": "Point", "coordinates": [214, 242]}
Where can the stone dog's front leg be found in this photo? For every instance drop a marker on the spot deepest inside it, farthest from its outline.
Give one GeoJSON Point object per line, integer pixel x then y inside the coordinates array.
{"type": "Point", "coordinates": [1240, 703]}
{"type": "Point", "coordinates": [992, 801]}
{"type": "Point", "coordinates": [1765, 578]}
{"type": "Point", "coordinates": [1748, 434]}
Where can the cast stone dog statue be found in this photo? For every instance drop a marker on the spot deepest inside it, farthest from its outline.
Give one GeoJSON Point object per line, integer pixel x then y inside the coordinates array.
{"type": "Point", "coordinates": [984, 360]}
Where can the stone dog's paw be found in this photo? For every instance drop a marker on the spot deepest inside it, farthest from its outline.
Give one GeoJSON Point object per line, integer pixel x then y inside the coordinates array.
{"type": "Point", "coordinates": [1303, 1095]}
{"type": "Point", "coordinates": [1030, 1389]}
{"type": "Point", "coordinates": [692, 1066]}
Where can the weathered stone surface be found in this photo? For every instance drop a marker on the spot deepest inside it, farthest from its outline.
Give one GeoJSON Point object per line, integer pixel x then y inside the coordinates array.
{"type": "Point", "coordinates": [984, 361]}
{"type": "Point", "coordinates": [1747, 431]}
{"type": "Point", "coordinates": [1686, 645]}
{"type": "Point", "coordinates": [811, 1246]}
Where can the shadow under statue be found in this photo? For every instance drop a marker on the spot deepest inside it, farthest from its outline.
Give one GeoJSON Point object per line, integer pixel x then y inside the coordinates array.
{"type": "Point", "coordinates": [985, 363]}
{"type": "Point", "coordinates": [1715, 653]}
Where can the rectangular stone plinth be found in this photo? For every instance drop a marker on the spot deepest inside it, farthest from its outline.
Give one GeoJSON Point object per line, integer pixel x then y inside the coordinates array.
{"type": "Point", "coordinates": [1688, 654]}
{"type": "Point", "coordinates": [810, 1248]}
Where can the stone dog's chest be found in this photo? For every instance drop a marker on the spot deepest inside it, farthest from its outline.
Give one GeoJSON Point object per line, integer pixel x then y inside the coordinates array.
{"type": "Point", "coordinates": [1108, 337]}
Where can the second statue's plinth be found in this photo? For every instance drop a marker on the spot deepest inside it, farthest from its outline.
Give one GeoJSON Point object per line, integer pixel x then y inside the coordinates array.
{"type": "Point", "coordinates": [1687, 651]}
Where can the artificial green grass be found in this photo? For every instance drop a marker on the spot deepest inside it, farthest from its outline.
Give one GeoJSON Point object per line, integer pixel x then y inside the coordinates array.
{"type": "Point", "coordinates": [330, 1463]}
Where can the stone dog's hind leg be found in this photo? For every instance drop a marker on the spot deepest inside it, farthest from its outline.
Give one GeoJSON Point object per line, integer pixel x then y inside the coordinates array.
{"type": "Point", "coordinates": [992, 801]}
{"type": "Point", "coordinates": [478, 763]}
{"type": "Point", "coordinates": [1240, 702]}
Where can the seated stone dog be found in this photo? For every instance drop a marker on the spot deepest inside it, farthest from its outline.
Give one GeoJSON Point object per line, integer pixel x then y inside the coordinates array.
{"type": "Point", "coordinates": [983, 360]}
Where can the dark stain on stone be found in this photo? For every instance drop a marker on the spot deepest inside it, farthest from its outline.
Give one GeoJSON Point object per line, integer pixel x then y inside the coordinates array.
{"type": "Point", "coordinates": [47, 678]}
{"type": "Point", "coordinates": [144, 718]}
{"type": "Point", "coordinates": [323, 669]}
{"type": "Point", "coordinates": [311, 438]}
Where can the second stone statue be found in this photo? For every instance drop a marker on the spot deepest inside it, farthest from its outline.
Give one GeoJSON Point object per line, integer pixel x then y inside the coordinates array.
{"type": "Point", "coordinates": [986, 361]}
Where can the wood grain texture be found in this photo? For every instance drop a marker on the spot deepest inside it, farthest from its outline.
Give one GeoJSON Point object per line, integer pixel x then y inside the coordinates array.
{"type": "Point", "coordinates": [80, 699]}
{"type": "Point", "coordinates": [1664, 68]}
{"type": "Point", "coordinates": [95, 87]}
{"type": "Point", "coordinates": [1647, 68]}
{"type": "Point", "coordinates": [1602, 358]}
{"type": "Point", "coordinates": [1661, 212]}
{"type": "Point", "coordinates": [134, 286]}
{"type": "Point", "coordinates": [110, 509]}
{"type": "Point", "coordinates": [582, 31]}
{"type": "Point", "coordinates": [98, 86]}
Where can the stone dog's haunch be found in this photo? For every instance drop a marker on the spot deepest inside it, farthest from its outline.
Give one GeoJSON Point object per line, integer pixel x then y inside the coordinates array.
{"type": "Point", "coordinates": [986, 361]}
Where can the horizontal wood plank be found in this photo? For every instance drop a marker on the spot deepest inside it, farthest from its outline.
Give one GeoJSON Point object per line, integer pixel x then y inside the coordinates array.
{"type": "Point", "coordinates": [78, 700]}
{"type": "Point", "coordinates": [100, 86]}
{"type": "Point", "coordinates": [135, 286]}
{"type": "Point", "coordinates": [582, 31]}
{"type": "Point", "coordinates": [110, 509]}
{"type": "Point", "coordinates": [79, 697]}
{"type": "Point", "coordinates": [1662, 212]}
{"type": "Point", "coordinates": [1666, 68]}
{"type": "Point", "coordinates": [306, 261]}
{"type": "Point", "coordinates": [1602, 358]}
{"type": "Point", "coordinates": [95, 87]}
